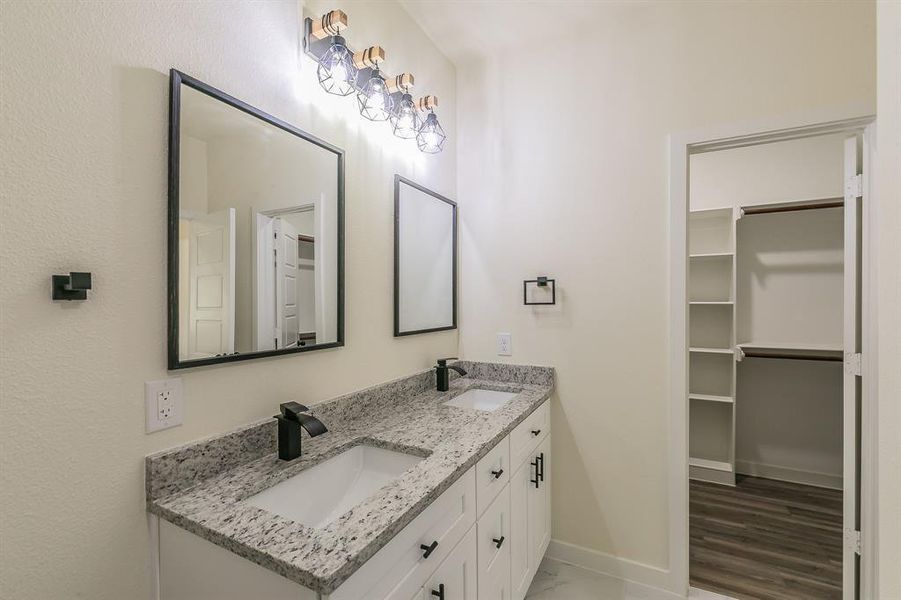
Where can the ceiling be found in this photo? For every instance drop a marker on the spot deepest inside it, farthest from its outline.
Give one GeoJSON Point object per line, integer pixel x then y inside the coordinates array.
{"type": "Point", "coordinates": [470, 29]}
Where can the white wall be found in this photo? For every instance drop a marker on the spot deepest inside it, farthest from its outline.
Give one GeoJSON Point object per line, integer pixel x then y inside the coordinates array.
{"type": "Point", "coordinates": [84, 188]}
{"type": "Point", "coordinates": [563, 171]}
{"type": "Point", "coordinates": [888, 296]}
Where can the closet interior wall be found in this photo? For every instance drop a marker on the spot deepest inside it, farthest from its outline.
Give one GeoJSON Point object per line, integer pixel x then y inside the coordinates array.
{"type": "Point", "coordinates": [781, 286]}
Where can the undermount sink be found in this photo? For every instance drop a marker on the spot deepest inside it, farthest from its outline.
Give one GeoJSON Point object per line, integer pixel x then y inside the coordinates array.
{"type": "Point", "coordinates": [322, 493]}
{"type": "Point", "coordinates": [484, 400]}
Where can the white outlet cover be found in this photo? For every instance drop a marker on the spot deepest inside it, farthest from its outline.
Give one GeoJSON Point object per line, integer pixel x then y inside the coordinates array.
{"type": "Point", "coordinates": [163, 404]}
{"type": "Point", "coordinates": [504, 344]}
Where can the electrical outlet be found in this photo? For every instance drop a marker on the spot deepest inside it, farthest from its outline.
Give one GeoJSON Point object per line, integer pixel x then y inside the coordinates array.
{"type": "Point", "coordinates": [504, 344]}
{"type": "Point", "coordinates": [163, 402]}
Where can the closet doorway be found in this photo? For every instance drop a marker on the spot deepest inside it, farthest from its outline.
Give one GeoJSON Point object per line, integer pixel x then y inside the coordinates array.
{"type": "Point", "coordinates": [774, 330]}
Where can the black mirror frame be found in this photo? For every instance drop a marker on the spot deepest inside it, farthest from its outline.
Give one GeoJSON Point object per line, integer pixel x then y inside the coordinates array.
{"type": "Point", "coordinates": [176, 78]}
{"type": "Point", "coordinates": [398, 180]}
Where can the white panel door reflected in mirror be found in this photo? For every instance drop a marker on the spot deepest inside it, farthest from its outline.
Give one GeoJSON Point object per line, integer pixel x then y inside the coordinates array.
{"type": "Point", "coordinates": [259, 208]}
{"type": "Point", "coordinates": [425, 260]}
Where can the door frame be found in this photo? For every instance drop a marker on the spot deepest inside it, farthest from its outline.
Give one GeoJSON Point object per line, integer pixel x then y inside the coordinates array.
{"type": "Point", "coordinates": [856, 119]}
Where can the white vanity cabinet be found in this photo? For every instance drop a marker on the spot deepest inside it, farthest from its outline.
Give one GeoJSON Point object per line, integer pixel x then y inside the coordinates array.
{"type": "Point", "coordinates": [530, 501]}
{"type": "Point", "coordinates": [488, 532]}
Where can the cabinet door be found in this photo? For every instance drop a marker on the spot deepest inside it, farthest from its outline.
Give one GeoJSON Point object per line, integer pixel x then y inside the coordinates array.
{"type": "Point", "coordinates": [456, 578]}
{"type": "Point", "coordinates": [494, 549]}
{"type": "Point", "coordinates": [539, 504]}
{"type": "Point", "coordinates": [520, 564]}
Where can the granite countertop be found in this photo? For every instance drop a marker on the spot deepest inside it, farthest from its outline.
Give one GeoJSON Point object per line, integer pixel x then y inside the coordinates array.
{"type": "Point", "coordinates": [202, 486]}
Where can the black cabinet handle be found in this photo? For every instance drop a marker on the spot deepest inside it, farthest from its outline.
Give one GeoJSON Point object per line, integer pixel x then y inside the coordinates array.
{"type": "Point", "coordinates": [497, 474]}
{"type": "Point", "coordinates": [541, 470]}
{"type": "Point", "coordinates": [536, 432]}
{"type": "Point", "coordinates": [427, 550]}
{"type": "Point", "coordinates": [439, 593]}
{"type": "Point", "coordinates": [534, 463]}
{"type": "Point", "coordinates": [498, 541]}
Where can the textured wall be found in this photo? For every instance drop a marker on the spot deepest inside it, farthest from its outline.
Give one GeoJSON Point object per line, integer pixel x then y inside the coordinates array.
{"type": "Point", "coordinates": [888, 178]}
{"type": "Point", "coordinates": [85, 96]}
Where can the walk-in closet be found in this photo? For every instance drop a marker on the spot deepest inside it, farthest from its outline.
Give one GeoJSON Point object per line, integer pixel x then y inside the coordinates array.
{"type": "Point", "coordinates": [768, 333]}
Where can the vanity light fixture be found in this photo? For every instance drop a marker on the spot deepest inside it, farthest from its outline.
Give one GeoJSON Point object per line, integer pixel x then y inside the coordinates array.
{"type": "Point", "coordinates": [380, 97]}
{"type": "Point", "coordinates": [431, 136]}
{"type": "Point", "coordinates": [374, 98]}
{"type": "Point", "coordinates": [405, 120]}
{"type": "Point", "coordinates": [336, 71]}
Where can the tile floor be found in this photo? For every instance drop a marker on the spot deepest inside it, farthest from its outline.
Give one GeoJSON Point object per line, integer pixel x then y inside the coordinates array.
{"type": "Point", "coordinates": [557, 580]}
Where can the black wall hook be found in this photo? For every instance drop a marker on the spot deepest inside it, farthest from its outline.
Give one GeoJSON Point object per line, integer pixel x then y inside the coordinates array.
{"type": "Point", "coordinates": [73, 286]}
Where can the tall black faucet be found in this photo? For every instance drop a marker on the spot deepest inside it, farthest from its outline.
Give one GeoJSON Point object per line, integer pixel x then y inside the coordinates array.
{"type": "Point", "coordinates": [442, 374]}
{"type": "Point", "coordinates": [290, 420]}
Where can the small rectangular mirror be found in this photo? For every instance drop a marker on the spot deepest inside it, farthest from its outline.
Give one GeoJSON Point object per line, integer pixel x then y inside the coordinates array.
{"type": "Point", "coordinates": [425, 260]}
{"type": "Point", "coordinates": [256, 232]}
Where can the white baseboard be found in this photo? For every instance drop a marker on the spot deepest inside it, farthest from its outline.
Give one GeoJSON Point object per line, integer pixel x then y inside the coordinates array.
{"type": "Point", "coordinates": [657, 581]}
{"type": "Point", "coordinates": [826, 480]}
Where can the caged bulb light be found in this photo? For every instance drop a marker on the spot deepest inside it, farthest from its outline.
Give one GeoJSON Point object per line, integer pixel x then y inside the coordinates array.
{"type": "Point", "coordinates": [337, 73]}
{"type": "Point", "coordinates": [374, 99]}
{"type": "Point", "coordinates": [431, 135]}
{"type": "Point", "coordinates": [405, 119]}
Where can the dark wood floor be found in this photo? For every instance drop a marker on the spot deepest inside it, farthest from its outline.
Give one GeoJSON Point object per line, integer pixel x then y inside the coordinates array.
{"type": "Point", "coordinates": [766, 540]}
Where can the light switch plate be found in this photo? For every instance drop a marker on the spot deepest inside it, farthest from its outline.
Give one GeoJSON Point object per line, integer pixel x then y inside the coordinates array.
{"type": "Point", "coordinates": [164, 404]}
{"type": "Point", "coordinates": [504, 344]}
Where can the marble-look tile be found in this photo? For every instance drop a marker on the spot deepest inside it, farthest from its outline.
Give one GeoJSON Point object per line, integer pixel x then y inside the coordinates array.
{"type": "Point", "coordinates": [558, 580]}
{"type": "Point", "coordinates": [185, 488]}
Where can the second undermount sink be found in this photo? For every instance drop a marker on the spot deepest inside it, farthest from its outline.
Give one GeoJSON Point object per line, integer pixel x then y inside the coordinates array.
{"type": "Point", "coordinates": [484, 400]}
{"type": "Point", "coordinates": [324, 492]}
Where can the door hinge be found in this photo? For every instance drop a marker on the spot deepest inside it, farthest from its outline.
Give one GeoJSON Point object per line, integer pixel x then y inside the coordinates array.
{"type": "Point", "coordinates": [854, 186]}
{"type": "Point", "coordinates": [853, 363]}
{"type": "Point", "coordinates": [853, 541]}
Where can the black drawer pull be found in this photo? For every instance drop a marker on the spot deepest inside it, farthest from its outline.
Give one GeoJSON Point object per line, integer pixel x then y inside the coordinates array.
{"type": "Point", "coordinates": [439, 593]}
{"type": "Point", "coordinates": [427, 550]}
{"type": "Point", "coordinates": [498, 541]}
{"type": "Point", "coordinates": [541, 462]}
{"type": "Point", "coordinates": [534, 463]}
{"type": "Point", "coordinates": [497, 474]}
{"type": "Point", "coordinates": [536, 432]}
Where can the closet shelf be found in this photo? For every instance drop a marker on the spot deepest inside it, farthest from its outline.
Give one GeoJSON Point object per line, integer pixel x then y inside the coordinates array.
{"type": "Point", "coordinates": [792, 350]}
{"type": "Point", "coordinates": [711, 398]}
{"type": "Point", "coordinates": [716, 465]}
{"type": "Point", "coordinates": [711, 350]}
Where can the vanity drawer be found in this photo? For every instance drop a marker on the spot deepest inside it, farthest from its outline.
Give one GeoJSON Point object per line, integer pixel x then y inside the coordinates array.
{"type": "Point", "coordinates": [528, 434]}
{"type": "Point", "coordinates": [399, 569]}
{"type": "Point", "coordinates": [492, 474]}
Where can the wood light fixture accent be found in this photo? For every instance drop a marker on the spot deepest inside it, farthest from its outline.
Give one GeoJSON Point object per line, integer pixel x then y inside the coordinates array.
{"type": "Point", "coordinates": [370, 57]}
{"type": "Point", "coordinates": [329, 24]}
{"type": "Point", "coordinates": [428, 103]}
{"type": "Point", "coordinates": [400, 83]}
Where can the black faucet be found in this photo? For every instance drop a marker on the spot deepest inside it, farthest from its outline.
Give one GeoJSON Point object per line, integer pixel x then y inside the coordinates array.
{"type": "Point", "coordinates": [291, 419]}
{"type": "Point", "coordinates": [441, 372]}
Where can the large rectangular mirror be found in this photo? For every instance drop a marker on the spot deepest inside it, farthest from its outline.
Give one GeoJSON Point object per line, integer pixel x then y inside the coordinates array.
{"type": "Point", "coordinates": [425, 259]}
{"type": "Point", "coordinates": [256, 232]}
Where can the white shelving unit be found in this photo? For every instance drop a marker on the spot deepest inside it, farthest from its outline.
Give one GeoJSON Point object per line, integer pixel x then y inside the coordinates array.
{"type": "Point", "coordinates": [712, 371]}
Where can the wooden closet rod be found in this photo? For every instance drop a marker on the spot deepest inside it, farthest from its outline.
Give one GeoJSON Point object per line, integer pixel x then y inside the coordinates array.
{"type": "Point", "coordinates": [760, 210]}
{"type": "Point", "coordinates": [795, 356]}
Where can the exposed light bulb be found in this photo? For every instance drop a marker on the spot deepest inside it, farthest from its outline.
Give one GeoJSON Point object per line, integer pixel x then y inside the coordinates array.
{"type": "Point", "coordinates": [431, 136]}
{"type": "Point", "coordinates": [404, 118]}
{"type": "Point", "coordinates": [336, 71]}
{"type": "Point", "coordinates": [375, 101]}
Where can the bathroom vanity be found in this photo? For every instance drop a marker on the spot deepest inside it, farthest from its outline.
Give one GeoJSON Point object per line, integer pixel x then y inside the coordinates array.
{"type": "Point", "coordinates": [412, 493]}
